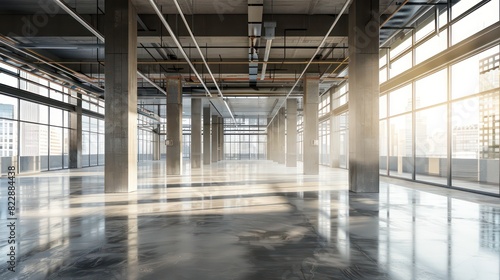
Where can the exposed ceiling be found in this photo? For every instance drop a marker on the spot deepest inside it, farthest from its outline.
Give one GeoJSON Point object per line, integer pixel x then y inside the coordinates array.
{"type": "Point", "coordinates": [222, 29]}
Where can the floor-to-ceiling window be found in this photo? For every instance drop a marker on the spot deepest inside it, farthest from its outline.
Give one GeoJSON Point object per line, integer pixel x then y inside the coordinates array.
{"type": "Point", "coordinates": [32, 134]}
{"type": "Point", "coordinates": [246, 141]}
{"type": "Point", "coordinates": [340, 129]}
{"type": "Point", "coordinates": [324, 108]}
{"type": "Point", "coordinates": [442, 127]}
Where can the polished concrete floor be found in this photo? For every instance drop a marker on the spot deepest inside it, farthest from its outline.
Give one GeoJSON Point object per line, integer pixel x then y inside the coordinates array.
{"type": "Point", "coordinates": [247, 220]}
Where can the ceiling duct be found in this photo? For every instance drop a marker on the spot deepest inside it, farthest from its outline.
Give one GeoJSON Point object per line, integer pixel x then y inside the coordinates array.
{"type": "Point", "coordinates": [255, 12]}
{"type": "Point", "coordinates": [270, 28]}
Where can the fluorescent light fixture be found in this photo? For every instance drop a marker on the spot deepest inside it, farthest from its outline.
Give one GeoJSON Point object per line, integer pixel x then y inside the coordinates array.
{"type": "Point", "coordinates": [202, 56]}
{"type": "Point", "coordinates": [151, 82]}
{"type": "Point", "coordinates": [78, 18]}
{"type": "Point", "coordinates": [98, 34]}
{"type": "Point", "coordinates": [178, 44]}
{"type": "Point", "coordinates": [266, 58]}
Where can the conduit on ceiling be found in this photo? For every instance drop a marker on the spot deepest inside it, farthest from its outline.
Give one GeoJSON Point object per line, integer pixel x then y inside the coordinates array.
{"type": "Point", "coordinates": [203, 58]}
{"type": "Point", "coordinates": [344, 8]}
{"type": "Point", "coordinates": [98, 34]}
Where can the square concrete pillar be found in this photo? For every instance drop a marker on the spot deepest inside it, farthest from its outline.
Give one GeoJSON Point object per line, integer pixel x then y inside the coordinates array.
{"type": "Point", "coordinates": [291, 133]}
{"type": "Point", "coordinates": [221, 138]}
{"type": "Point", "coordinates": [174, 126]}
{"type": "Point", "coordinates": [75, 135]}
{"type": "Point", "coordinates": [364, 96]}
{"type": "Point", "coordinates": [281, 135]}
{"type": "Point", "coordinates": [268, 140]}
{"type": "Point", "coordinates": [157, 143]}
{"type": "Point", "coordinates": [276, 139]}
{"type": "Point", "coordinates": [215, 138]}
{"type": "Point", "coordinates": [196, 105]}
{"type": "Point", "coordinates": [207, 139]}
{"type": "Point", "coordinates": [311, 140]}
{"type": "Point", "coordinates": [121, 96]}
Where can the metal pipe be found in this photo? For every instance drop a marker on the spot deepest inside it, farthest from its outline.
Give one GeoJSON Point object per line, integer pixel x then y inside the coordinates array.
{"type": "Point", "coordinates": [203, 58]}
{"type": "Point", "coordinates": [173, 62]}
{"type": "Point", "coordinates": [344, 7]}
{"type": "Point", "coordinates": [178, 44]}
{"type": "Point", "coordinates": [98, 34]}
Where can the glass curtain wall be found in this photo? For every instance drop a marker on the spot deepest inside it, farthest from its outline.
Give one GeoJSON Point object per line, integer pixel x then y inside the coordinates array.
{"type": "Point", "coordinates": [247, 141]}
{"type": "Point", "coordinates": [340, 131]}
{"type": "Point", "coordinates": [324, 109]}
{"type": "Point", "coordinates": [443, 127]}
{"type": "Point", "coordinates": [33, 136]}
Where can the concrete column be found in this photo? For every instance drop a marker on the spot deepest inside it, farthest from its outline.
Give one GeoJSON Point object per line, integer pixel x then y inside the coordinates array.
{"type": "Point", "coordinates": [215, 139]}
{"type": "Point", "coordinates": [276, 138]}
{"type": "Point", "coordinates": [207, 140]}
{"type": "Point", "coordinates": [75, 136]}
{"type": "Point", "coordinates": [311, 143]}
{"type": "Point", "coordinates": [221, 138]}
{"type": "Point", "coordinates": [196, 106]}
{"type": "Point", "coordinates": [273, 142]}
{"type": "Point", "coordinates": [156, 143]}
{"type": "Point", "coordinates": [174, 126]}
{"type": "Point", "coordinates": [121, 97]}
{"type": "Point", "coordinates": [269, 140]}
{"type": "Point", "coordinates": [364, 96]}
{"type": "Point", "coordinates": [281, 135]}
{"type": "Point", "coordinates": [291, 133]}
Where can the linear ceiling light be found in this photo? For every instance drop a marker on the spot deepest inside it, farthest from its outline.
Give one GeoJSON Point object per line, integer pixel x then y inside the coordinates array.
{"type": "Point", "coordinates": [179, 46]}
{"type": "Point", "coordinates": [81, 20]}
{"type": "Point", "coordinates": [98, 34]}
{"type": "Point", "coordinates": [203, 57]}
{"type": "Point", "coordinates": [346, 4]}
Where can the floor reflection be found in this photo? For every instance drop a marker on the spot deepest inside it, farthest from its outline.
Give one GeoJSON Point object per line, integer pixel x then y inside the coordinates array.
{"type": "Point", "coordinates": [248, 220]}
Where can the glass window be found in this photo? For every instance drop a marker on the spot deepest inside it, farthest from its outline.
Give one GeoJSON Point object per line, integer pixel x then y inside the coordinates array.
{"type": "Point", "coordinates": [431, 47]}
{"type": "Point", "coordinates": [475, 143]}
{"type": "Point", "coordinates": [56, 95]}
{"type": "Point", "coordinates": [66, 140]}
{"type": "Point", "coordinates": [404, 45]}
{"type": "Point", "coordinates": [8, 67]}
{"type": "Point", "coordinates": [93, 149]}
{"type": "Point", "coordinates": [476, 74]}
{"type": "Point", "coordinates": [382, 75]}
{"type": "Point", "coordinates": [400, 100]}
{"type": "Point", "coordinates": [85, 148]}
{"type": "Point", "coordinates": [66, 116]}
{"type": "Point", "coordinates": [56, 117]}
{"type": "Point", "coordinates": [34, 112]}
{"type": "Point", "coordinates": [425, 29]}
{"type": "Point", "coordinates": [383, 147]}
{"type": "Point", "coordinates": [382, 106]}
{"type": "Point", "coordinates": [401, 64]}
{"type": "Point", "coordinates": [85, 123]}
{"type": "Point", "coordinates": [383, 58]}
{"type": "Point", "coordinates": [428, 26]}
{"type": "Point", "coordinates": [8, 80]}
{"type": "Point", "coordinates": [93, 125]}
{"type": "Point", "coordinates": [56, 148]}
{"type": "Point", "coordinates": [400, 149]}
{"type": "Point", "coordinates": [8, 138]}
{"type": "Point", "coordinates": [462, 6]}
{"type": "Point", "coordinates": [8, 107]}
{"type": "Point", "coordinates": [478, 20]}
{"type": "Point", "coordinates": [431, 89]}
{"type": "Point", "coordinates": [431, 145]}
